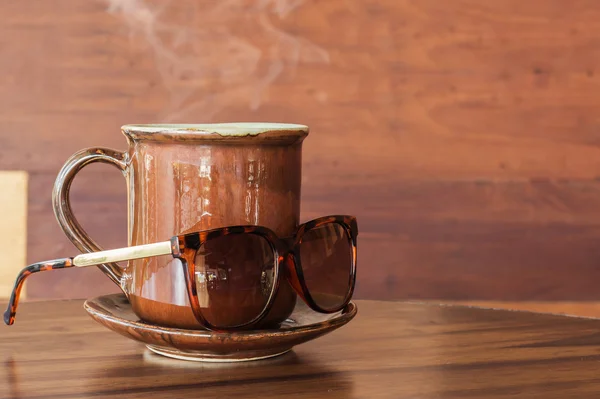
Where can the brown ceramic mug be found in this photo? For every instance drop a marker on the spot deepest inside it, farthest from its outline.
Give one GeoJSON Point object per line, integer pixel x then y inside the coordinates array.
{"type": "Point", "coordinates": [184, 178]}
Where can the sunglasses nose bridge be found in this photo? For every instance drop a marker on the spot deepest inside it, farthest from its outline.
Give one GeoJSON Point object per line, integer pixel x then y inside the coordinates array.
{"type": "Point", "coordinates": [287, 262]}
{"type": "Point", "coordinates": [286, 257]}
{"type": "Point", "coordinates": [288, 244]}
{"type": "Point", "coordinates": [285, 254]}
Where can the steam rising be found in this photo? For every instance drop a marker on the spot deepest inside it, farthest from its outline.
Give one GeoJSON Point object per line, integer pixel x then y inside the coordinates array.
{"type": "Point", "coordinates": [186, 38]}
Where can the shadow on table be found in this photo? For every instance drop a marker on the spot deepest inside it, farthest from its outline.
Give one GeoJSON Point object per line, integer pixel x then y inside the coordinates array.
{"type": "Point", "coordinates": [150, 375]}
{"type": "Point", "coordinates": [287, 374]}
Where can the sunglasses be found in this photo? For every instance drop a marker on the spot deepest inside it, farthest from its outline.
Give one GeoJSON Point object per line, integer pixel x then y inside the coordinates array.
{"type": "Point", "coordinates": [241, 266]}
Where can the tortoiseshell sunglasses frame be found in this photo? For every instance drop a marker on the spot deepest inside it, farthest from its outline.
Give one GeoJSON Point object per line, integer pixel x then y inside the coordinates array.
{"type": "Point", "coordinates": [286, 252]}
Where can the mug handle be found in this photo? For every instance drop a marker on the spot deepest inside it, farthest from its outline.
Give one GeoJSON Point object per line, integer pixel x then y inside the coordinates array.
{"type": "Point", "coordinates": [62, 205]}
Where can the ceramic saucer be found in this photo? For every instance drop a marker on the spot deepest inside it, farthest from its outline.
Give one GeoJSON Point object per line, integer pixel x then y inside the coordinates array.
{"type": "Point", "coordinates": [114, 312]}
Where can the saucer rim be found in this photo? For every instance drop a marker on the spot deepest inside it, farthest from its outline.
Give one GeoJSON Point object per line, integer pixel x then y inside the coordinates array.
{"type": "Point", "coordinates": [342, 317]}
{"type": "Point", "coordinates": [205, 359]}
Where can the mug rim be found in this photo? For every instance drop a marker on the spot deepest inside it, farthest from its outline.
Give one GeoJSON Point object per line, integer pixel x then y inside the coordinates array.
{"type": "Point", "coordinates": [214, 131]}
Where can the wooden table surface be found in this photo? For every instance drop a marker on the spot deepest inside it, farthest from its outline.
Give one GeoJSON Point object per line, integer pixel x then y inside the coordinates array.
{"type": "Point", "coordinates": [390, 350]}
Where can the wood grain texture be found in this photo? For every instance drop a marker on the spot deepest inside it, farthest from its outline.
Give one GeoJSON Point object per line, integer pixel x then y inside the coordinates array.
{"type": "Point", "coordinates": [390, 350]}
{"type": "Point", "coordinates": [579, 309]}
{"type": "Point", "coordinates": [463, 134]}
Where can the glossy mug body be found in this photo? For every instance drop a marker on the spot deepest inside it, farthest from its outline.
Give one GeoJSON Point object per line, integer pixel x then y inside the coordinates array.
{"type": "Point", "coordinates": [184, 178]}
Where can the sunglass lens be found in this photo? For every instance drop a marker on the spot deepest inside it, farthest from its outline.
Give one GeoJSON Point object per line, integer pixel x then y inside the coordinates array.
{"type": "Point", "coordinates": [326, 258]}
{"type": "Point", "coordinates": [234, 278]}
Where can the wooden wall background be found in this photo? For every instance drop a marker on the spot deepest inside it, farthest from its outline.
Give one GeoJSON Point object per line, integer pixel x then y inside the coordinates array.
{"type": "Point", "coordinates": [464, 134]}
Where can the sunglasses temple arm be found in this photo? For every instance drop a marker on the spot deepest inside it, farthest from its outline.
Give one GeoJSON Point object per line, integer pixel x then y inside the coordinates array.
{"type": "Point", "coordinates": [9, 315]}
{"type": "Point", "coordinates": [84, 260]}
{"type": "Point", "coordinates": [121, 254]}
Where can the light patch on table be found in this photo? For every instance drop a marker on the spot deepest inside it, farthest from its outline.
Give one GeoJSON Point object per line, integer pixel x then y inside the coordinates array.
{"type": "Point", "coordinates": [13, 229]}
